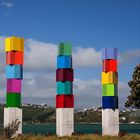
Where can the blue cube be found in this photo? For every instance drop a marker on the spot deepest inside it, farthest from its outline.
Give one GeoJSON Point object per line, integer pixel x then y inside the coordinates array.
{"type": "Point", "coordinates": [64, 62]}
{"type": "Point", "coordinates": [64, 87]}
{"type": "Point", "coordinates": [14, 71]}
{"type": "Point", "coordinates": [109, 53]}
{"type": "Point", "coordinates": [109, 102]}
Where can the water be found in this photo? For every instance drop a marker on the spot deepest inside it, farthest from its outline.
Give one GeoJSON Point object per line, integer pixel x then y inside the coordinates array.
{"type": "Point", "coordinates": [79, 128]}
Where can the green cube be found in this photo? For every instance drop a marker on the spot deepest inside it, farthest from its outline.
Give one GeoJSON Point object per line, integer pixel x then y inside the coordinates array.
{"type": "Point", "coordinates": [13, 99]}
{"type": "Point", "coordinates": [64, 49]}
{"type": "Point", "coordinates": [109, 90]}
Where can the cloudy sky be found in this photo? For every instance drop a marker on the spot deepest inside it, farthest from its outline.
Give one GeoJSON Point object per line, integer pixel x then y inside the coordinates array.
{"type": "Point", "coordinates": [89, 25]}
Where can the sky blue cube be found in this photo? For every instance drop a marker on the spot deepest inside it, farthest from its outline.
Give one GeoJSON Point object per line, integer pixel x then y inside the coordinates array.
{"type": "Point", "coordinates": [109, 53]}
{"type": "Point", "coordinates": [14, 71]}
{"type": "Point", "coordinates": [109, 102]}
{"type": "Point", "coordinates": [64, 62]}
{"type": "Point", "coordinates": [64, 87]}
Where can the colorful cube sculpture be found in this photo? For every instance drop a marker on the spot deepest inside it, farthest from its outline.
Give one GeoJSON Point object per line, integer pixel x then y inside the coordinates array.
{"type": "Point", "coordinates": [64, 97]}
{"type": "Point", "coordinates": [110, 92]}
{"type": "Point", "coordinates": [14, 48]}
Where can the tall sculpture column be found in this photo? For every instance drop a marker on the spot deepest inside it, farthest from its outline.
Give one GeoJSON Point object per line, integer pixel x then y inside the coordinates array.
{"type": "Point", "coordinates": [110, 111]}
{"type": "Point", "coordinates": [14, 48]}
{"type": "Point", "coordinates": [64, 97]}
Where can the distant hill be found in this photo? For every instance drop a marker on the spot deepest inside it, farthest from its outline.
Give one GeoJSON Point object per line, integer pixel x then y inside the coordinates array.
{"type": "Point", "coordinates": [44, 114]}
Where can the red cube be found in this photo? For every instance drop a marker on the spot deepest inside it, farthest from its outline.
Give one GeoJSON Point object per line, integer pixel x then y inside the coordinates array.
{"type": "Point", "coordinates": [109, 65]}
{"type": "Point", "coordinates": [65, 101]}
{"type": "Point", "coordinates": [64, 74]}
{"type": "Point", "coordinates": [14, 58]}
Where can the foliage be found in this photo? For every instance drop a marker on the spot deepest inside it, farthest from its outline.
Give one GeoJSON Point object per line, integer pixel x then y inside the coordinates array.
{"type": "Point", "coordinates": [133, 100]}
{"type": "Point", "coordinates": [88, 116]}
{"type": "Point", "coordinates": [32, 114]}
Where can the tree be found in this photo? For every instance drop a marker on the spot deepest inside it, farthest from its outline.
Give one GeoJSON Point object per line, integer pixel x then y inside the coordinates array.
{"type": "Point", "coordinates": [133, 100]}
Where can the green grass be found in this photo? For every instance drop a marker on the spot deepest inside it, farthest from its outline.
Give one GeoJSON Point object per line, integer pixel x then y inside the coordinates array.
{"type": "Point", "coordinates": [77, 137]}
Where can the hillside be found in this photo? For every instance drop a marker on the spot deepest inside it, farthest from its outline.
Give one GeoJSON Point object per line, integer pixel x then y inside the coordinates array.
{"type": "Point", "coordinates": [44, 114]}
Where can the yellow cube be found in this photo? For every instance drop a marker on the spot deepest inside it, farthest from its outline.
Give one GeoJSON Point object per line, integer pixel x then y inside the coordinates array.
{"type": "Point", "coordinates": [109, 78]}
{"type": "Point", "coordinates": [14, 43]}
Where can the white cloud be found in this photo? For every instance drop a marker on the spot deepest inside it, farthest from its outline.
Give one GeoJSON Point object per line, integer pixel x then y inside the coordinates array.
{"type": "Point", "coordinates": [123, 92]}
{"type": "Point", "coordinates": [86, 57]}
{"type": "Point", "coordinates": [7, 4]}
{"type": "Point", "coordinates": [2, 54]}
{"type": "Point", "coordinates": [39, 55]}
{"type": "Point", "coordinates": [2, 38]}
{"type": "Point", "coordinates": [129, 56]}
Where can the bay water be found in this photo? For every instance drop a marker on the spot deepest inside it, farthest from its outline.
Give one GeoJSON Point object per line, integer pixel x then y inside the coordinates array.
{"type": "Point", "coordinates": [79, 128]}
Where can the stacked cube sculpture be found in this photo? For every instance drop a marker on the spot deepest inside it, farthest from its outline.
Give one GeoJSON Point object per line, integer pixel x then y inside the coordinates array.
{"type": "Point", "coordinates": [14, 48]}
{"type": "Point", "coordinates": [64, 97]}
{"type": "Point", "coordinates": [110, 111]}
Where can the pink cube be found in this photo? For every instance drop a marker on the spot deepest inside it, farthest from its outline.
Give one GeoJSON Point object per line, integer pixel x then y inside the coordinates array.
{"type": "Point", "coordinates": [14, 85]}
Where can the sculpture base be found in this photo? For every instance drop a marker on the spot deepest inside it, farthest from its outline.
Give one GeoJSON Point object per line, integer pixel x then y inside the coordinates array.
{"type": "Point", "coordinates": [110, 122]}
{"type": "Point", "coordinates": [11, 114]}
{"type": "Point", "coordinates": [64, 121]}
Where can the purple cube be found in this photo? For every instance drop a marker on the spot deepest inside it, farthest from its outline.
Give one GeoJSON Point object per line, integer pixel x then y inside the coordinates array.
{"type": "Point", "coordinates": [14, 85]}
{"type": "Point", "coordinates": [109, 53]}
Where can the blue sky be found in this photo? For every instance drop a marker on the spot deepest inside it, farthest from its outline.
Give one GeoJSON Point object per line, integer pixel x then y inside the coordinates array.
{"type": "Point", "coordinates": [87, 24]}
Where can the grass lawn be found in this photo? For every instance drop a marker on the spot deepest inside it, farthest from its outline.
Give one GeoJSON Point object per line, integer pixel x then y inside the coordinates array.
{"type": "Point", "coordinates": [77, 137]}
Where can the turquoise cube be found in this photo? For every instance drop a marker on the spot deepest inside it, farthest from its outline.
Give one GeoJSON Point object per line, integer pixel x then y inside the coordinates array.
{"type": "Point", "coordinates": [64, 87]}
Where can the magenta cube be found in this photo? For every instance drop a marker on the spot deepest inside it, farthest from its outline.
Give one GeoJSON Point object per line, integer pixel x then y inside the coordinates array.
{"type": "Point", "coordinates": [14, 85]}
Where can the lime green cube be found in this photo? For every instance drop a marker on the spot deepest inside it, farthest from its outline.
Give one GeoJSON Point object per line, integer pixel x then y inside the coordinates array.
{"type": "Point", "coordinates": [13, 99]}
{"type": "Point", "coordinates": [109, 90]}
{"type": "Point", "coordinates": [64, 49]}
